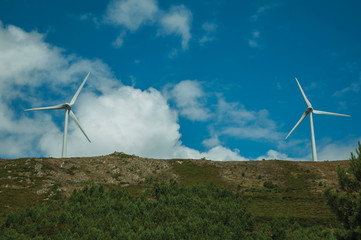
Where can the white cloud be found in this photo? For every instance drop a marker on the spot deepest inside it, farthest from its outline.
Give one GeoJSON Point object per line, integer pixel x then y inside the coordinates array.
{"type": "Point", "coordinates": [190, 99]}
{"type": "Point", "coordinates": [128, 120]}
{"type": "Point", "coordinates": [118, 42]}
{"type": "Point", "coordinates": [26, 64]}
{"type": "Point", "coordinates": [211, 142]}
{"type": "Point", "coordinates": [217, 153]}
{"type": "Point", "coordinates": [230, 119]}
{"type": "Point", "coordinates": [223, 153]}
{"type": "Point", "coordinates": [327, 149]}
{"type": "Point", "coordinates": [132, 13]}
{"type": "Point", "coordinates": [244, 124]}
{"type": "Point", "coordinates": [336, 150]}
{"type": "Point", "coordinates": [132, 121]}
{"type": "Point", "coordinates": [17, 135]}
{"type": "Point", "coordinates": [115, 117]}
{"type": "Point", "coordinates": [272, 154]}
{"type": "Point", "coordinates": [22, 53]}
{"type": "Point", "coordinates": [177, 21]}
{"type": "Point", "coordinates": [26, 60]}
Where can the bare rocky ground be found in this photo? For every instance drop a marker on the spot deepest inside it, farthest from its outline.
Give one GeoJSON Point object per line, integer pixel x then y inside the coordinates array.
{"type": "Point", "coordinates": [257, 172]}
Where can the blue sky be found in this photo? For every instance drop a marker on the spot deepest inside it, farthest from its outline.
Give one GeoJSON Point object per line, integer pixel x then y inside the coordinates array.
{"type": "Point", "coordinates": [185, 79]}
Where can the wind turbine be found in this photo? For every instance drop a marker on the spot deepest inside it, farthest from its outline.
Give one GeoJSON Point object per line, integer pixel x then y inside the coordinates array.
{"type": "Point", "coordinates": [68, 111]}
{"type": "Point", "coordinates": [310, 110]}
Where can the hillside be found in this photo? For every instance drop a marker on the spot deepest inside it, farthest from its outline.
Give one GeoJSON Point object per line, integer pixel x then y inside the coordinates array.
{"type": "Point", "coordinates": [273, 188]}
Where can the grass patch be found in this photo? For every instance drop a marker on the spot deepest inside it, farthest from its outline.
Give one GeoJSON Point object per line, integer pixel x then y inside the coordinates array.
{"type": "Point", "coordinates": [19, 182]}
{"type": "Point", "coordinates": [191, 173]}
{"type": "Point", "coordinates": [293, 201]}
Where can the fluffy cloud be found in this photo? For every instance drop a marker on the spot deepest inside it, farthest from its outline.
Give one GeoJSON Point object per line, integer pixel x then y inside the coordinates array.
{"type": "Point", "coordinates": [327, 149]}
{"type": "Point", "coordinates": [226, 154]}
{"type": "Point", "coordinates": [229, 119]}
{"type": "Point", "coordinates": [177, 21]}
{"type": "Point", "coordinates": [23, 54]}
{"type": "Point", "coordinates": [243, 123]}
{"type": "Point", "coordinates": [336, 150]}
{"type": "Point", "coordinates": [17, 136]}
{"type": "Point", "coordinates": [132, 14]}
{"type": "Point", "coordinates": [26, 60]}
{"type": "Point", "coordinates": [190, 99]}
{"type": "Point", "coordinates": [26, 64]}
{"type": "Point", "coordinates": [118, 42]}
{"type": "Point", "coordinates": [115, 117]}
{"type": "Point", "coordinates": [126, 119]}
{"type": "Point", "coordinates": [211, 142]}
{"type": "Point", "coordinates": [217, 153]}
{"type": "Point", "coordinates": [272, 154]}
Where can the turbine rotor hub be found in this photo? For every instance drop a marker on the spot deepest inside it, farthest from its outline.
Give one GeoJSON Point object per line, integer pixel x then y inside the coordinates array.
{"type": "Point", "coordinates": [67, 106]}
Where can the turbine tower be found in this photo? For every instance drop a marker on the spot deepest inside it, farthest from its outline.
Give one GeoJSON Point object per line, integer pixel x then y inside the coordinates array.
{"type": "Point", "coordinates": [68, 111]}
{"type": "Point", "coordinates": [310, 110]}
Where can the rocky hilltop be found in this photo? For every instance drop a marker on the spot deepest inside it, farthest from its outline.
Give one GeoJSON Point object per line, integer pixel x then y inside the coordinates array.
{"type": "Point", "coordinates": [271, 184]}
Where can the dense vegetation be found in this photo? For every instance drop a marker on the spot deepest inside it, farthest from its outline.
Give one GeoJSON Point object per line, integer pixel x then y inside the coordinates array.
{"type": "Point", "coordinates": [346, 202]}
{"type": "Point", "coordinates": [168, 211]}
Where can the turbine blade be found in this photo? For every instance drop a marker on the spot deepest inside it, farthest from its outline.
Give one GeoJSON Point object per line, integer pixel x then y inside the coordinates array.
{"type": "Point", "coordinates": [303, 94]}
{"type": "Point", "coordinates": [330, 113]}
{"type": "Point", "coordinates": [304, 115]}
{"type": "Point", "coordinates": [77, 122]}
{"type": "Point", "coordinates": [60, 106]}
{"type": "Point", "coordinates": [79, 89]}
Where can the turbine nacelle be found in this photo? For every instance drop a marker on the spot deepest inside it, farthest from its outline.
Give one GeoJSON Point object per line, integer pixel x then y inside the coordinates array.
{"type": "Point", "coordinates": [67, 106]}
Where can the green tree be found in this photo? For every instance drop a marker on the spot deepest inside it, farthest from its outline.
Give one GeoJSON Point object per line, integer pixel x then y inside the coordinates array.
{"type": "Point", "coordinates": [169, 211]}
{"type": "Point", "coordinates": [346, 201]}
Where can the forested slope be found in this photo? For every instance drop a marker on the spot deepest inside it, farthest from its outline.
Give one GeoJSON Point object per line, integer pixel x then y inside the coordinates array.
{"type": "Point", "coordinates": [264, 192]}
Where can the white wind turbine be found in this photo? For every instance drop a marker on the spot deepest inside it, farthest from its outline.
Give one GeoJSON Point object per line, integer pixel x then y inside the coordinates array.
{"type": "Point", "coordinates": [68, 111]}
{"type": "Point", "coordinates": [310, 110]}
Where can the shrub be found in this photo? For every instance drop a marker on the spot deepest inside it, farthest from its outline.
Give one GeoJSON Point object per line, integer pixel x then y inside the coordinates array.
{"type": "Point", "coordinates": [270, 185]}
{"type": "Point", "coordinates": [346, 201]}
